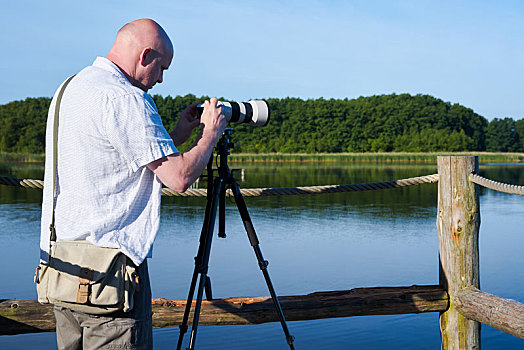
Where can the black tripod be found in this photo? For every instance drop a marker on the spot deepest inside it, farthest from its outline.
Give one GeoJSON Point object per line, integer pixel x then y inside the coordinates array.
{"type": "Point", "coordinates": [216, 197]}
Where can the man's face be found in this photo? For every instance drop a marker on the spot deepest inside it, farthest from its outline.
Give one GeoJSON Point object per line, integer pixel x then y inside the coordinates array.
{"type": "Point", "coordinates": [153, 67]}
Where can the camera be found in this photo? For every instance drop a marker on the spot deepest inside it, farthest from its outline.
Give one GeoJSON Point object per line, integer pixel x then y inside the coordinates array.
{"type": "Point", "coordinates": [254, 112]}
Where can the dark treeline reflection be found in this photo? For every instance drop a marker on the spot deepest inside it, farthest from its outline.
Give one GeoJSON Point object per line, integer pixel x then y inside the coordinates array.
{"type": "Point", "coordinates": [401, 201]}
{"type": "Point", "coordinates": [507, 173]}
{"type": "Point", "coordinates": [381, 203]}
{"type": "Point", "coordinates": [318, 173]}
{"type": "Point", "coordinates": [11, 194]}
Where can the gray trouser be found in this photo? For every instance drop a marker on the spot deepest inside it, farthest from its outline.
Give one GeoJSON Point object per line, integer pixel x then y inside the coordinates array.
{"type": "Point", "coordinates": [130, 330]}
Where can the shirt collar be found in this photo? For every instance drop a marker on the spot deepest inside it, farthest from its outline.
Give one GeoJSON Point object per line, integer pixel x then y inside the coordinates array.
{"type": "Point", "coordinates": [105, 64]}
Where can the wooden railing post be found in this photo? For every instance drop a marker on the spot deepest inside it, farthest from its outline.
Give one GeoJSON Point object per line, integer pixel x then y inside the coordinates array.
{"type": "Point", "coordinates": [458, 222]}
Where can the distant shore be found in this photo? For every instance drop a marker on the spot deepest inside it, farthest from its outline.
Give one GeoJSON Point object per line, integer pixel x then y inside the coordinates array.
{"type": "Point", "coordinates": [389, 157]}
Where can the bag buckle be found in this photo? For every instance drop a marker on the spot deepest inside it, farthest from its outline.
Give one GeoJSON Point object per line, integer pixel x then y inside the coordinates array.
{"type": "Point", "coordinates": [135, 278]}
{"type": "Point", "coordinates": [84, 279]}
{"type": "Point", "coordinates": [37, 277]}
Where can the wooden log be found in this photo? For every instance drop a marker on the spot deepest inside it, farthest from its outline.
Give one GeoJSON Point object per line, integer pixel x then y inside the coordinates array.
{"type": "Point", "coordinates": [458, 222]}
{"type": "Point", "coordinates": [506, 315]}
{"type": "Point", "coordinates": [28, 316]}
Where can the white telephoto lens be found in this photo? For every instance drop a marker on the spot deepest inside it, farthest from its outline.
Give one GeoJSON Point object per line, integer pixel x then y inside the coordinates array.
{"type": "Point", "coordinates": [254, 112]}
{"type": "Point", "coordinates": [260, 112]}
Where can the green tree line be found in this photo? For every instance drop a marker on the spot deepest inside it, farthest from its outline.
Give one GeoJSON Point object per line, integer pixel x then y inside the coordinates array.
{"type": "Point", "coordinates": [384, 123]}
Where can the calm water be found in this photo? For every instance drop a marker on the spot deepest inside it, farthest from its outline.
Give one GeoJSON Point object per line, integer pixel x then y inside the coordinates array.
{"type": "Point", "coordinates": [313, 243]}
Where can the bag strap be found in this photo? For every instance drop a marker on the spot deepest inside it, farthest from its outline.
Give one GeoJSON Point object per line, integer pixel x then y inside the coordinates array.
{"type": "Point", "coordinates": [52, 229]}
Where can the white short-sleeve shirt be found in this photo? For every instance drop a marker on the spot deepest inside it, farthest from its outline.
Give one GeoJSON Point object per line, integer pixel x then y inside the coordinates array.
{"type": "Point", "coordinates": [108, 131]}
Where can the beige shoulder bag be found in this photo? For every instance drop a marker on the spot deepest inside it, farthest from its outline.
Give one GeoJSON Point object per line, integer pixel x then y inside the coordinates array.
{"type": "Point", "coordinates": [79, 275]}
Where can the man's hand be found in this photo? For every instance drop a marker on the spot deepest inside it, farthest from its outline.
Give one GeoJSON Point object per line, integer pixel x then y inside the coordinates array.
{"type": "Point", "coordinates": [178, 171]}
{"type": "Point", "coordinates": [212, 120]}
{"type": "Point", "coordinates": [186, 123]}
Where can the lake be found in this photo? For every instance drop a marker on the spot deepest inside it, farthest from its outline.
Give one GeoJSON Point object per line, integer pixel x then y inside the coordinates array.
{"type": "Point", "coordinates": [313, 243]}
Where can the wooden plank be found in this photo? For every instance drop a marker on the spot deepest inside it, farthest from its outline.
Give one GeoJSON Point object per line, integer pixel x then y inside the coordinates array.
{"type": "Point", "coordinates": [458, 222]}
{"type": "Point", "coordinates": [28, 316]}
{"type": "Point", "coordinates": [506, 315]}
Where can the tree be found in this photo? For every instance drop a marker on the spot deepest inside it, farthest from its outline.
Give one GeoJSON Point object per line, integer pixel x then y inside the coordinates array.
{"type": "Point", "coordinates": [502, 136]}
{"type": "Point", "coordinates": [381, 123]}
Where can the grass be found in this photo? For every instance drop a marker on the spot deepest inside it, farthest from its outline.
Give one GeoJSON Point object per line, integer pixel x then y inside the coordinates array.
{"type": "Point", "coordinates": [374, 157]}
{"type": "Point", "coordinates": [392, 157]}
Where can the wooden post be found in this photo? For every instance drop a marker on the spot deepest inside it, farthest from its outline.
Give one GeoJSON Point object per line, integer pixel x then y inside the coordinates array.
{"type": "Point", "coordinates": [458, 222]}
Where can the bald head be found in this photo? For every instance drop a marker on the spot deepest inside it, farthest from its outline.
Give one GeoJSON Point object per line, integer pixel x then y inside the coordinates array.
{"type": "Point", "coordinates": [142, 50]}
{"type": "Point", "coordinates": [142, 33]}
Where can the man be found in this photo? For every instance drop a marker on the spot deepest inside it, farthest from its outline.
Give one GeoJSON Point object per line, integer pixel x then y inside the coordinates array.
{"type": "Point", "coordinates": [113, 156]}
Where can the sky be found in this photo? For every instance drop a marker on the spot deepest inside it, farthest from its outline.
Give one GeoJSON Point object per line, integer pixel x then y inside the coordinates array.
{"type": "Point", "coordinates": [467, 52]}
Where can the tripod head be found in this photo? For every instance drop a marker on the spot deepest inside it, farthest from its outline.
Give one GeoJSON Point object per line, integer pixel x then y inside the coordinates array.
{"type": "Point", "coordinates": [225, 178]}
{"type": "Point", "coordinates": [223, 147]}
{"type": "Point", "coordinates": [224, 144]}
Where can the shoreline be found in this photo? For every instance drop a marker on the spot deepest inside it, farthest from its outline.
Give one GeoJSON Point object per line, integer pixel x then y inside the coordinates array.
{"type": "Point", "coordinates": [392, 157]}
{"type": "Point", "coordinates": [388, 157]}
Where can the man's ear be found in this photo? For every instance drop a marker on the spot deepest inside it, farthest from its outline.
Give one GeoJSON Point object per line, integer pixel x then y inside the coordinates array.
{"type": "Point", "coordinates": [145, 56]}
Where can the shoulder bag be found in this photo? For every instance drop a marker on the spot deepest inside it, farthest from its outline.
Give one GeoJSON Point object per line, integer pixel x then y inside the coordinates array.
{"type": "Point", "coordinates": [79, 275]}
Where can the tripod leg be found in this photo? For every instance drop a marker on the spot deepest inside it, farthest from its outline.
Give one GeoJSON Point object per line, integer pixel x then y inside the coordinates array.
{"type": "Point", "coordinates": [201, 266]}
{"type": "Point", "coordinates": [189, 301]}
{"type": "Point", "coordinates": [205, 263]}
{"type": "Point", "coordinates": [248, 225]}
{"type": "Point", "coordinates": [222, 213]}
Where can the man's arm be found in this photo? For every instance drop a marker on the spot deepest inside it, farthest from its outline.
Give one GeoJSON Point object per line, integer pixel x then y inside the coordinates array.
{"type": "Point", "coordinates": [180, 170]}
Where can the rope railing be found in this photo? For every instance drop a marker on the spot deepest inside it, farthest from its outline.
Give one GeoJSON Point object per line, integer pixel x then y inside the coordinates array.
{"type": "Point", "coordinates": [27, 183]}
{"type": "Point", "coordinates": [287, 191]}
{"type": "Point", "coordinates": [497, 186]}
{"type": "Point", "coordinates": [257, 192]}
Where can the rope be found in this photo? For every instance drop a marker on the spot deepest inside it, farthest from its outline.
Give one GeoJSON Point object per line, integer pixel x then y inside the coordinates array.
{"type": "Point", "coordinates": [497, 186]}
{"type": "Point", "coordinates": [256, 192]}
{"type": "Point", "coordinates": [288, 191]}
{"type": "Point", "coordinates": [27, 183]}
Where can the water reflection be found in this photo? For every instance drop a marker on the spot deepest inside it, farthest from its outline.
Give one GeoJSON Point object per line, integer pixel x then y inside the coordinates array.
{"type": "Point", "coordinates": [383, 203]}
{"type": "Point", "coordinates": [503, 173]}
{"type": "Point", "coordinates": [404, 202]}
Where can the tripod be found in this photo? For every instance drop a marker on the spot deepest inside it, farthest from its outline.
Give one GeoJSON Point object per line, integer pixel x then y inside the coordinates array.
{"type": "Point", "coordinates": [216, 197]}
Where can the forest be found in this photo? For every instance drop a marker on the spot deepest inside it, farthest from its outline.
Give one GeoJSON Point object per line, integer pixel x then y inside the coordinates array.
{"type": "Point", "coordinates": [382, 123]}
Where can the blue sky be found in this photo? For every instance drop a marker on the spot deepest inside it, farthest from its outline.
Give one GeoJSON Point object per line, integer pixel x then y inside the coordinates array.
{"type": "Point", "coordinates": [467, 52]}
